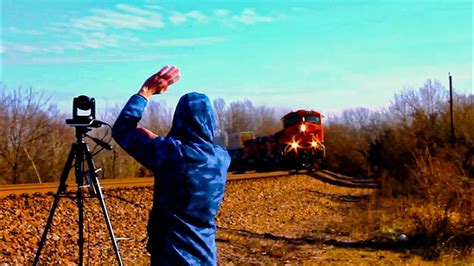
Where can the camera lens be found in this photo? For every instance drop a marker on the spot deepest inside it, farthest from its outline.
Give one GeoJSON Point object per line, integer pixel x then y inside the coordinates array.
{"type": "Point", "coordinates": [84, 103]}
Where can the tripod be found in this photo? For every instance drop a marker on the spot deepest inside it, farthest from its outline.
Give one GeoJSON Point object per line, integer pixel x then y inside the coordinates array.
{"type": "Point", "coordinates": [79, 153]}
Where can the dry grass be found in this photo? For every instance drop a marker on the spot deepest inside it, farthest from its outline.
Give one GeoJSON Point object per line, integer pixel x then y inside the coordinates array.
{"type": "Point", "coordinates": [426, 179]}
{"type": "Point", "coordinates": [437, 218]}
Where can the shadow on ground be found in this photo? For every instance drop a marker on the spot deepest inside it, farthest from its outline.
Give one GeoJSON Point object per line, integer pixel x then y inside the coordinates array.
{"type": "Point", "coordinates": [341, 197]}
{"type": "Point", "coordinates": [334, 180]}
{"type": "Point", "coordinates": [367, 244]}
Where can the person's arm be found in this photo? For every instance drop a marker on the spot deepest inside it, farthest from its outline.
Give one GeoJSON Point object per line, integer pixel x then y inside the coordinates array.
{"type": "Point", "coordinates": [138, 141]}
{"type": "Point", "coordinates": [146, 132]}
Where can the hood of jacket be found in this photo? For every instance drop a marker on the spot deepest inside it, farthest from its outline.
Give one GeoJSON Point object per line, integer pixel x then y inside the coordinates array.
{"type": "Point", "coordinates": [194, 119]}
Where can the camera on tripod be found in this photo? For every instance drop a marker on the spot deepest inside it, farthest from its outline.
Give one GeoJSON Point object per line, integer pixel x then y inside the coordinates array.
{"type": "Point", "coordinates": [83, 112]}
{"type": "Point", "coordinates": [81, 159]}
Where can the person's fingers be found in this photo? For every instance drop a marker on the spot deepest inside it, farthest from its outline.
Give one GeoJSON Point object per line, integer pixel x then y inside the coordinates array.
{"type": "Point", "coordinates": [162, 71]}
{"type": "Point", "coordinates": [172, 73]}
{"type": "Point", "coordinates": [174, 79]}
{"type": "Point", "coordinates": [173, 68]}
{"type": "Point", "coordinates": [165, 77]}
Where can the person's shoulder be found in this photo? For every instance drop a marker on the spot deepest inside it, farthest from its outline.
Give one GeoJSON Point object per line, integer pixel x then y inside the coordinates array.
{"type": "Point", "coordinates": [219, 148]}
{"type": "Point", "coordinates": [222, 151]}
{"type": "Point", "coordinates": [166, 143]}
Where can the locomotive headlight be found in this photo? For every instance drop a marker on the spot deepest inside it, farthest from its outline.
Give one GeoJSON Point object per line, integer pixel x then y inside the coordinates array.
{"type": "Point", "coordinates": [294, 145]}
{"type": "Point", "coordinates": [314, 144]}
{"type": "Point", "coordinates": [303, 127]}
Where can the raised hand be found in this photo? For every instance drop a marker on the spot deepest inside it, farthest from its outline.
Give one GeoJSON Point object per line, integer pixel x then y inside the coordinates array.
{"type": "Point", "coordinates": [159, 82]}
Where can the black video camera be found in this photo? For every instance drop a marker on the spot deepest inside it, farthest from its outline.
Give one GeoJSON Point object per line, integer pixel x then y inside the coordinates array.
{"type": "Point", "coordinates": [83, 113]}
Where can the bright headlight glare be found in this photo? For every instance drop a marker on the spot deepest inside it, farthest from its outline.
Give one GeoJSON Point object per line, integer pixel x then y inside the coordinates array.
{"type": "Point", "coordinates": [314, 144]}
{"type": "Point", "coordinates": [303, 128]}
{"type": "Point", "coordinates": [294, 144]}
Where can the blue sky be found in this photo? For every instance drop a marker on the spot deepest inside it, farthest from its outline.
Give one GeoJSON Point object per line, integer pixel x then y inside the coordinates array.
{"type": "Point", "coordinates": [324, 55]}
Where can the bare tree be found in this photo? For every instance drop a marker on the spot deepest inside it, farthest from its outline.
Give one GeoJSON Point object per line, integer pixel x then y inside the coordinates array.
{"type": "Point", "coordinates": [219, 108]}
{"type": "Point", "coordinates": [266, 121]}
{"type": "Point", "coordinates": [432, 97]}
{"type": "Point", "coordinates": [158, 118]}
{"type": "Point", "coordinates": [25, 127]}
{"type": "Point", "coordinates": [240, 116]}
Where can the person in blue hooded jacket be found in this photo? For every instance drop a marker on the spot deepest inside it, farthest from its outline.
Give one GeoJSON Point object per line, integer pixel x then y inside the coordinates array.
{"type": "Point", "coordinates": [190, 173]}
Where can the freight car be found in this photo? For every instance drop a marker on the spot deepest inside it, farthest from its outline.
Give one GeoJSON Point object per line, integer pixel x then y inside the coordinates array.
{"type": "Point", "coordinates": [300, 144]}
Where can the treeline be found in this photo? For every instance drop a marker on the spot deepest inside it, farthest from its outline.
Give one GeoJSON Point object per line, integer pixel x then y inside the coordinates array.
{"type": "Point", "coordinates": [35, 141]}
{"type": "Point", "coordinates": [426, 179]}
{"type": "Point", "coordinates": [385, 144]}
{"type": "Point", "coordinates": [406, 142]}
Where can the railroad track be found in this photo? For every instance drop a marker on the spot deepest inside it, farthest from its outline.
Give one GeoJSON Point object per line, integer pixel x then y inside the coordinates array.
{"type": "Point", "coordinates": [343, 180]}
{"type": "Point", "coordinates": [322, 175]}
{"type": "Point", "coordinates": [51, 187]}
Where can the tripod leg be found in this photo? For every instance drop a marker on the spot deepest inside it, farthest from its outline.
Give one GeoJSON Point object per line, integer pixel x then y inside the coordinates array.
{"type": "Point", "coordinates": [80, 207]}
{"type": "Point", "coordinates": [79, 171]}
{"type": "Point", "coordinates": [61, 190]}
{"type": "Point", "coordinates": [100, 196]}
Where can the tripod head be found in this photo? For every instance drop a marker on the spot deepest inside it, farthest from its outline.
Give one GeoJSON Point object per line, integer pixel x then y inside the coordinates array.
{"type": "Point", "coordinates": [83, 113]}
{"type": "Point", "coordinates": [83, 119]}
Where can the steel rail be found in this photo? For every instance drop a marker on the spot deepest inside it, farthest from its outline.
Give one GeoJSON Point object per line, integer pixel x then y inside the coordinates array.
{"type": "Point", "coordinates": [51, 187]}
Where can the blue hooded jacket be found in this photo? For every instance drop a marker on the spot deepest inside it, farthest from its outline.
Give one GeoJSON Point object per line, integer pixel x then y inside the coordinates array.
{"type": "Point", "coordinates": [190, 176]}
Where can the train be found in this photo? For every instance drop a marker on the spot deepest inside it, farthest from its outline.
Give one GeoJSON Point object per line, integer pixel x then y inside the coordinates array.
{"type": "Point", "coordinates": [299, 144]}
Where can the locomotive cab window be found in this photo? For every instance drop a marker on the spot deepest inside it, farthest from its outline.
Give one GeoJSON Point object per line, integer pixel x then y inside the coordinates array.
{"type": "Point", "coordinates": [313, 119]}
{"type": "Point", "coordinates": [291, 121]}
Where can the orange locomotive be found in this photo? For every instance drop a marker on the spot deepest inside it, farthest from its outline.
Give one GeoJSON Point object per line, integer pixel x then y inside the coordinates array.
{"type": "Point", "coordinates": [299, 144]}
{"type": "Point", "coordinates": [302, 138]}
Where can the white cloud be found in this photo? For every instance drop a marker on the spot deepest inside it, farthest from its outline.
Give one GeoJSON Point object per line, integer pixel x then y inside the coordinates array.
{"type": "Point", "coordinates": [95, 60]}
{"type": "Point", "coordinates": [153, 7]}
{"type": "Point", "coordinates": [221, 12]}
{"type": "Point", "coordinates": [30, 49]}
{"type": "Point", "coordinates": [197, 16]}
{"type": "Point", "coordinates": [94, 31]}
{"type": "Point", "coordinates": [178, 18]}
{"type": "Point", "coordinates": [87, 23]}
{"type": "Point", "coordinates": [58, 27]}
{"type": "Point", "coordinates": [110, 18]}
{"type": "Point", "coordinates": [184, 42]}
{"type": "Point", "coordinates": [132, 9]}
{"type": "Point", "coordinates": [16, 30]}
{"type": "Point", "coordinates": [25, 48]}
{"type": "Point", "coordinates": [249, 16]}
{"type": "Point", "coordinates": [99, 40]}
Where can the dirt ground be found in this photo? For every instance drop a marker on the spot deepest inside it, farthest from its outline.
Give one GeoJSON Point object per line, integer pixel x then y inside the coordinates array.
{"type": "Point", "coordinates": [286, 220]}
{"type": "Point", "coordinates": [301, 220]}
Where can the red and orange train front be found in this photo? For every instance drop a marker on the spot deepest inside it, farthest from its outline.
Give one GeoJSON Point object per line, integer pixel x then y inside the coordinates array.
{"type": "Point", "coordinates": [299, 143]}
{"type": "Point", "coordinates": [302, 137]}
